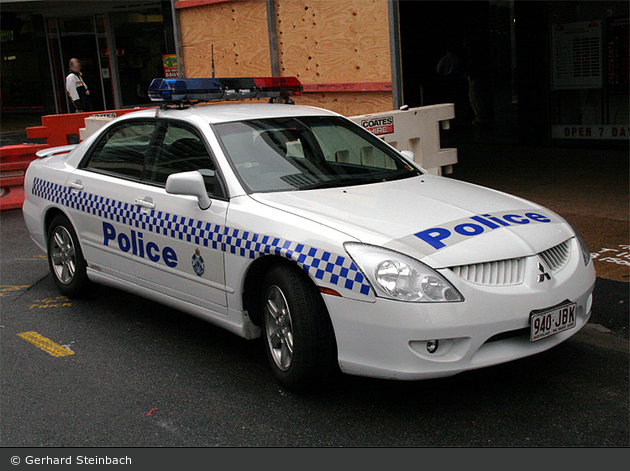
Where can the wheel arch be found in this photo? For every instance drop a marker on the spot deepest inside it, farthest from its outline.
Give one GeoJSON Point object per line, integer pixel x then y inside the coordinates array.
{"type": "Point", "coordinates": [252, 286]}
{"type": "Point", "coordinates": [49, 215]}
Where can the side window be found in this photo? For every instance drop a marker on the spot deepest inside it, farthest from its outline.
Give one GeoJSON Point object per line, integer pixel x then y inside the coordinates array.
{"type": "Point", "coordinates": [122, 149]}
{"type": "Point", "coordinates": [183, 150]}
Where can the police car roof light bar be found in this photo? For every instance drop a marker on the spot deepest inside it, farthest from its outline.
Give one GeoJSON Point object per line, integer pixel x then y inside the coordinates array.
{"type": "Point", "coordinates": [210, 89]}
{"type": "Point", "coordinates": [289, 84]}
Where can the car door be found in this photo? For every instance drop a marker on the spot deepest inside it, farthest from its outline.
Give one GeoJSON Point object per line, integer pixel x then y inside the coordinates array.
{"type": "Point", "coordinates": [183, 243]}
{"type": "Point", "coordinates": [102, 197]}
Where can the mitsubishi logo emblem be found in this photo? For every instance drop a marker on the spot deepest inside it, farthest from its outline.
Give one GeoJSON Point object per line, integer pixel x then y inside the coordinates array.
{"type": "Point", "coordinates": [543, 275]}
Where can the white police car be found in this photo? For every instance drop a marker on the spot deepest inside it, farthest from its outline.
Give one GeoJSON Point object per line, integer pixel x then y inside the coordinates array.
{"type": "Point", "coordinates": [298, 225]}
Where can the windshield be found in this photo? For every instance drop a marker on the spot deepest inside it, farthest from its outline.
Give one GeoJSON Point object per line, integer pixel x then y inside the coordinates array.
{"type": "Point", "coordinates": [283, 154]}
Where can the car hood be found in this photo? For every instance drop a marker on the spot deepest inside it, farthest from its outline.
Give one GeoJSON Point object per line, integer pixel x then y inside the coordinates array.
{"type": "Point", "coordinates": [440, 221]}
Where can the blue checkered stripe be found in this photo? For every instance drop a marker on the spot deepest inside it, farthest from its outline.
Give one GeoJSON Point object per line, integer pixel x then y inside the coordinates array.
{"type": "Point", "coordinates": [322, 265]}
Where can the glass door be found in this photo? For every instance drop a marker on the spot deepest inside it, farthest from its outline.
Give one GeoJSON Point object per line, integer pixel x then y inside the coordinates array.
{"type": "Point", "coordinates": [107, 80]}
{"type": "Point", "coordinates": [83, 38]}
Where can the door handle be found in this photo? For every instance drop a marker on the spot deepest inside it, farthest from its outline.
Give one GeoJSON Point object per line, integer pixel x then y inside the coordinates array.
{"type": "Point", "coordinates": [148, 204]}
{"type": "Point", "coordinates": [76, 185]}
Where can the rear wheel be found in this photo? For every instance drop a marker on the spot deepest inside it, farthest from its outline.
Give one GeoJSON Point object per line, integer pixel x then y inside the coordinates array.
{"type": "Point", "coordinates": [65, 258]}
{"type": "Point", "coordinates": [298, 335]}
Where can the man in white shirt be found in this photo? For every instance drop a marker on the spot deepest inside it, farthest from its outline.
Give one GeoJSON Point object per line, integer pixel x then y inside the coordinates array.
{"type": "Point", "coordinates": [78, 93]}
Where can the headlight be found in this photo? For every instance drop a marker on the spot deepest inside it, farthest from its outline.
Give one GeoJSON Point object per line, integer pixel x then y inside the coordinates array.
{"type": "Point", "coordinates": [586, 253]}
{"type": "Point", "coordinates": [397, 276]}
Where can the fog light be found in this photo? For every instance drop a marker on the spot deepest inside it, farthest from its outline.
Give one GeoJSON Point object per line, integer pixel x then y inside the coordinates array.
{"type": "Point", "coordinates": [432, 346]}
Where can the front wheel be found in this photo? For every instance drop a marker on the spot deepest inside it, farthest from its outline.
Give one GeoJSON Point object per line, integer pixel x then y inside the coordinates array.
{"type": "Point", "coordinates": [65, 258]}
{"type": "Point", "coordinates": [298, 335]}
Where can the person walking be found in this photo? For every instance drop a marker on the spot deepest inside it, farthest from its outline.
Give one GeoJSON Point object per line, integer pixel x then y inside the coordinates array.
{"type": "Point", "coordinates": [78, 92]}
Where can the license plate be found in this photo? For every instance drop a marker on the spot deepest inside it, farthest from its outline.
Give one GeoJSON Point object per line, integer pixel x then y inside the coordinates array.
{"type": "Point", "coordinates": [552, 321]}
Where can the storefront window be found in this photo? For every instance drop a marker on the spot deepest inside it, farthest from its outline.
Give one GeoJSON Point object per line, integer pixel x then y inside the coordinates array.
{"type": "Point", "coordinates": [21, 82]}
{"type": "Point", "coordinates": [589, 71]}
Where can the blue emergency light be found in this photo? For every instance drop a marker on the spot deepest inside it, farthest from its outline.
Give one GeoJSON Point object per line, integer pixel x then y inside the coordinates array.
{"type": "Point", "coordinates": [209, 89]}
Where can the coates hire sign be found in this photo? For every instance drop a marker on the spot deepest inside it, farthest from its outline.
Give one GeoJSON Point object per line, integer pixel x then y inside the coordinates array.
{"type": "Point", "coordinates": [384, 125]}
{"type": "Point", "coordinates": [578, 131]}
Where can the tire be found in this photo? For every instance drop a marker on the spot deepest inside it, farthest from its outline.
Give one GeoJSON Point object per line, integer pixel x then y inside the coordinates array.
{"type": "Point", "coordinates": [65, 258]}
{"type": "Point", "coordinates": [298, 335]}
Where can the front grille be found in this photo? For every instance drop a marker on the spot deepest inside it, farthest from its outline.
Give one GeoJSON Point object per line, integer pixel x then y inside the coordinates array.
{"type": "Point", "coordinates": [557, 257]}
{"type": "Point", "coordinates": [497, 273]}
{"type": "Point", "coordinates": [512, 271]}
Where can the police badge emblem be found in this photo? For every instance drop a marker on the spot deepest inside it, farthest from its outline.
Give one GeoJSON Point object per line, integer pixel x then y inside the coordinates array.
{"type": "Point", "coordinates": [197, 263]}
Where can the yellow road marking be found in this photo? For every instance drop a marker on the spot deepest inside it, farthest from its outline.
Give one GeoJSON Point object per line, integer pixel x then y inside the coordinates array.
{"type": "Point", "coordinates": [8, 290]}
{"type": "Point", "coordinates": [34, 257]}
{"type": "Point", "coordinates": [59, 301]}
{"type": "Point", "coordinates": [45, 344]}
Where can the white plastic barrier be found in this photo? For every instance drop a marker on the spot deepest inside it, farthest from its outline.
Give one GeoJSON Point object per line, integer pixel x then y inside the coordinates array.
{"type": "Point", "coordinates": [94, 123]}
{"type": "Point", "coordinates": [416, 130]}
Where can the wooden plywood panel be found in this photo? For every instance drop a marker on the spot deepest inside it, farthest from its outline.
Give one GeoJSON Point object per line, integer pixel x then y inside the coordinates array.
{"type": "Point", "coordinates": [320, 41]}
{"type": "Point", "coordinates": [348, 104]}
{"type": "Point", "coordinates": [238, 31]}
{"type": "Point", "coordinates": [324, 41]}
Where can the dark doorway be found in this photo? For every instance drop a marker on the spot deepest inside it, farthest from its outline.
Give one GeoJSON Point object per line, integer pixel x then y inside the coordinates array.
{"type": "Point", "coordinates": [479, 37]}
{"type": "Point", "coordinates": [427, 30]}
{"type": "Point", "coordinates": [77, 37]}
{"type": "Point", "coordinates": [141, 40]}
{"type": "Point", "coordinates": [83, 48]}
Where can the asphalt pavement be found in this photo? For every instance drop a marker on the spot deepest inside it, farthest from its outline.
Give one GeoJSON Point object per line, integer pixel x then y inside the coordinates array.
{"type": "Point", "coordinates": [145, 375]}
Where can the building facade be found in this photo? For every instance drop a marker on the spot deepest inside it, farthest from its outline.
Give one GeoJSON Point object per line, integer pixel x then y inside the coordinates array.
{"type": "Point", "coordinates": [121, 45]}
{"type": "Point", "coordinates": [532, 72]}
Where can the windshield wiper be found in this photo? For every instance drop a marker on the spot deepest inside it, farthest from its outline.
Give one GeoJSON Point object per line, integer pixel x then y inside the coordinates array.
{"type": "Point", "coordinates": [401, 176]}
{"type": "Point", "coordinates": [358, 180]}
{"type": "Point", "coordinates": [341, 182]}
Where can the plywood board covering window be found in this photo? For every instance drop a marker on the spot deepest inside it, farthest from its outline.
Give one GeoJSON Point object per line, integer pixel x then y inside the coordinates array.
{"type": "Point", "coordinates": [238, 31]}
{"type": "Point", "coordinates": [319, 41]}
{"type": "Point", "coordinates": [324, 41]}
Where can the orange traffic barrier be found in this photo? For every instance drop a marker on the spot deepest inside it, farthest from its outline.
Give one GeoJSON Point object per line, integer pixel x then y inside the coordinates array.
{"type": "Point", "coordinates": [14, 160]}
{"type": "Point", "coordinates": [58, 130]}
{"type": "Point", "coordinates": [63, 129]}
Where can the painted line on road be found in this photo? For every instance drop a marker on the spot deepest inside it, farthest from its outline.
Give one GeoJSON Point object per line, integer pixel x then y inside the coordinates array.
{"type": "Point", "coordinates": [59, 301]}
{"type": "Point", "coordinates": [11, 290]}
{"type": "Point", "coordinates": [620, 256]}
{"type": "Point", "coordinates": [45, 344]}
{"type": "Point", "coordinates": [35, 257]}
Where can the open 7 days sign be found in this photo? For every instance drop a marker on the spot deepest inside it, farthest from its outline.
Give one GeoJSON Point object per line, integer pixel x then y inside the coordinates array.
{"type": "Point", "coordinates": [384, 125]}
{"type": "Point", "coordinates": [578, 131]}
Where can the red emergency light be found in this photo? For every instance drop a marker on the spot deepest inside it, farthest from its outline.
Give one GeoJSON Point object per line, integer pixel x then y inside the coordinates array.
{"type": "Point", "coordinates": [279, 84]}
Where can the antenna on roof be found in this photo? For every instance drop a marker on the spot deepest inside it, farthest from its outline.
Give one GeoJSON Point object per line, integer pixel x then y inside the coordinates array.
{"type": "Point", "coordinates": [212, 55]}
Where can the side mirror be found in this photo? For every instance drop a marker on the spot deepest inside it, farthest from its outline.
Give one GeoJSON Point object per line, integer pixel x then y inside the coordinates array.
{"type": "Point", "coordinates": [407, 154]}
{"type": "Point", "coordinates": [191, 184]}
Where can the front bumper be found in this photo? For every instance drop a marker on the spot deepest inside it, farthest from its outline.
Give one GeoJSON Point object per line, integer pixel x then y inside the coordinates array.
{"type": "Point", "coordinates": [387, 339]}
